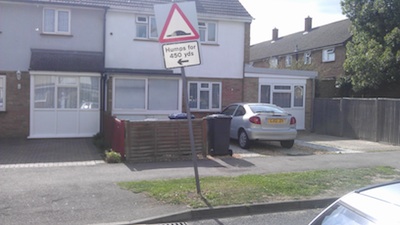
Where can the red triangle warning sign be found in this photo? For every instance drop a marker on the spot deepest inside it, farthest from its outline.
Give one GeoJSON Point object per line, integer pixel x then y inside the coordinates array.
{"type": "Point", "coordinates": [177, 27]}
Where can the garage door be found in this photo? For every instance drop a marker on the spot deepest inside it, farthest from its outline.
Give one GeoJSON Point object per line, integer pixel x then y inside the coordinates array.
{"type": "Point", "coordinates": [64, 105]}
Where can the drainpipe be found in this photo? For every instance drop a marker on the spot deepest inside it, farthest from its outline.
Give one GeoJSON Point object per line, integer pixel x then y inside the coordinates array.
{"type": "Point", "coordinates": [104, 76]}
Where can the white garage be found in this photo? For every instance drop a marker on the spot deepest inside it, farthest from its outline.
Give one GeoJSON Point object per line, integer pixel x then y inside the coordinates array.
{"type": "Point", "coordinates": [64, 104]}
{"type": "Point", "coordinates": [285, 88]}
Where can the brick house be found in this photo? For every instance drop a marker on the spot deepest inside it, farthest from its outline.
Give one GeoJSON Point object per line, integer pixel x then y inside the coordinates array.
{"type": "Point", "coordinates": [322, 49]}
{"type": "Point", "coordinates": [58, 78]}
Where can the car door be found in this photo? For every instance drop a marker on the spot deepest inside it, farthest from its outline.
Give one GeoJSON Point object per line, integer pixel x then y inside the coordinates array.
{"type": "Point", "coordinates": [237, 121]}
{"type": "Point", "coordinates": [229, 111]}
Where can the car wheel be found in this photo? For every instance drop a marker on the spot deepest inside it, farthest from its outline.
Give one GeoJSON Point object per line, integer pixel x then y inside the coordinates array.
{"type": "Point", "coordinates": [287, 144]}
{"type": "Point", "coordinates": [244, 141]}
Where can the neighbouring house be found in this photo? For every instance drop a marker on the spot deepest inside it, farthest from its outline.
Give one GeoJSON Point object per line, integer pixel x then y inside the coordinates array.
{"type": "Point", "coordinates": [138, 85]}
{"type": "Point", "coordinates": [51, 62]}
{"type": "Point", "coordinates": [322, 49]}
{"type": "Point", "coordinates": [64, 64]}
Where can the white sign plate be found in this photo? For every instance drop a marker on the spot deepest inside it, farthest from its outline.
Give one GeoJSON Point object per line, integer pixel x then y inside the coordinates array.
{"type": "Point", "coordinates": [181, 54]}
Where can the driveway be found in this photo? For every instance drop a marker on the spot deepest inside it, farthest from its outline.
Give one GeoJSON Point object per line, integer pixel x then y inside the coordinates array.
{"type": "Point", "coordinates": [18, 152]}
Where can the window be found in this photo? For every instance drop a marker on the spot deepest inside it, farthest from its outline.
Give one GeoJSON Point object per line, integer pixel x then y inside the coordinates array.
{"type": "Point", "coordinates": [208, 32]}
{"type": "Point", "coordinates": [298, 100]}
{"type": "Point", "coordinates": [265, 94]}
{"type": "Point", "coordinates": [328, 55]}
{"type": "Point", "coordinates": [146, 27]}
{"type": "Point", "coordinates": [56, 21]}
{"type": "Point", "coordinates": [146, 94]}
{"type": "Point", "coordinates": [285, 96]}
{"type": "Point", "coordinates": [282, 96]}
{"type": "Point", "coordinates": [240, 111]}
{"type": "Point", "coordinates": [307, 58]}
{"type": "Point", "coordinates": [273, 62]}
{"type": "Point", "coordinates": [2, 93]}
{"type": "Point", "coordinates": [288, 61]}
{"type": "Point", "coordinates": [205, 96]}
{"type": "Point", "coordinates": [66, 92]}
{"type": "Point", "coordinates": [341, 214]}
{"type": "Point", "coordinates": [229, 110]}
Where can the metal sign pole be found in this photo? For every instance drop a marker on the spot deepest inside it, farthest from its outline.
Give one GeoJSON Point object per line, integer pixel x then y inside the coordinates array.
{"type": "Point", "coordinates": [189, 117]}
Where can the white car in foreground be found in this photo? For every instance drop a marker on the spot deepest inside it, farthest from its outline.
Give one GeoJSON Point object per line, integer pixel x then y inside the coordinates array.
{"type": "Point", "coordinates": [379, 204]}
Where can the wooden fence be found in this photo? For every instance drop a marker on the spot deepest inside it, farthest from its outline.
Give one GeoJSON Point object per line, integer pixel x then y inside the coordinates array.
{"type": "Point", "coordinates": [147, 141]}
{"type": "Point", "coordinates": [368, 119]}
{"type": "Point", "coordinates": [114, 134]}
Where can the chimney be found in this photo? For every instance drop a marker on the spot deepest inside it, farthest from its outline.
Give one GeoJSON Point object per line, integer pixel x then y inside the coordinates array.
{"type": "Point", "coordinates": [308, 24]}
{"type": "Point", "coordinates": [274, 34]}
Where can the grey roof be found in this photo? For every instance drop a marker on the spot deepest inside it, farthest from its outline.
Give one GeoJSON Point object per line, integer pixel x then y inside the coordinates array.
{"type": "Point", "coordinates": [231, 8]}
{"type": "Point", "coordinates": [59, 60]}
{"type": "Point", "coordinates": [337, 33]}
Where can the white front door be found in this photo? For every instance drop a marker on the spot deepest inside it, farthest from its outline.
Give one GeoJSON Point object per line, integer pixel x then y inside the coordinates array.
{"type": "Point", "coordinates": [288, 94]}
{"type": "Point", "coordinates": [64, 104]}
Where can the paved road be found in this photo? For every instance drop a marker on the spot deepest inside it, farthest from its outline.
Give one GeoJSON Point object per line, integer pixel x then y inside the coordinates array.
{"type": "Point", "coordinates": [87, 193]}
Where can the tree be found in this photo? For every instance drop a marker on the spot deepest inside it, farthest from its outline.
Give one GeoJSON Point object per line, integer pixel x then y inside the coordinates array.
{"type": "Point", "coordinates": [373, 55]}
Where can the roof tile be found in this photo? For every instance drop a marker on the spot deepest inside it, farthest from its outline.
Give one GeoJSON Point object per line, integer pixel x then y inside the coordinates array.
{"type": "Point", "coordinates": [319, 37]}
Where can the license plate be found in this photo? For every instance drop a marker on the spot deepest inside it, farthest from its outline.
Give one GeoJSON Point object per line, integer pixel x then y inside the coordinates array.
{"type": "Point", "coordinates": [276, 121]}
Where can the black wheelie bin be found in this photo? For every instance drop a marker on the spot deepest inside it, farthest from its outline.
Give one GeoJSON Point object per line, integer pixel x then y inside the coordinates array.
{"type": "Point", "coordinates": [219, 126]}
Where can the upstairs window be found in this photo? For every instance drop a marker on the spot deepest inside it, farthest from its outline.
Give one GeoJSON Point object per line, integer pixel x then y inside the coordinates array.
{"type": "Point", "coordinates": [208, 32]}
{"type": "Point", "coordinates": [2, 93]}
{"type": "Point", "coordinates": [307, 58]}
{"type": "Point", "coordinates": [146, 27]}
{"type": "Point", "coordinates": [56, 21]}
{"type": "Point", "coordinates": [328, 55]}
{"type": "Point", "coordinates": [273, 62]}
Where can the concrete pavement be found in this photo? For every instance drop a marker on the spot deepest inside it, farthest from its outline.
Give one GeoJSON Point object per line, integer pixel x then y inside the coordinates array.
{"type": "Point", "coordinates": [68, 190]}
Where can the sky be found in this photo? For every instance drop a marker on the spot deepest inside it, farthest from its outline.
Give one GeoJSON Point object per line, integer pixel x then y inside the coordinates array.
{"type": "Point", "coordinates": [288, 16]}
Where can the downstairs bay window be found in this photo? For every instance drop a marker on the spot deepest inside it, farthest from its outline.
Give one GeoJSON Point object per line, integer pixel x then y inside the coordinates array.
{"type": "Point", "coordinates": [138, 95]}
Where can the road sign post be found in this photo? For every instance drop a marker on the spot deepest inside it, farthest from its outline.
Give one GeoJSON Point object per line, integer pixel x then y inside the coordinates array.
{"type": "Point", "coordinates": [177, 53]}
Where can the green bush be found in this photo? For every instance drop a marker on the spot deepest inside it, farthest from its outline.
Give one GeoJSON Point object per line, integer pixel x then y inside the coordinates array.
{"type": "Point", "coordinates": [113, 157]}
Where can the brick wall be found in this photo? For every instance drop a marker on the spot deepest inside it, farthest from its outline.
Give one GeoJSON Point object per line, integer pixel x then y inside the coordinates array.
{"type": "Point", "coordinates": [247, 43]}
{"type": "Point", "coordinates": [250, 92]}
{"type": "Point", "coordinates": [15, 120]}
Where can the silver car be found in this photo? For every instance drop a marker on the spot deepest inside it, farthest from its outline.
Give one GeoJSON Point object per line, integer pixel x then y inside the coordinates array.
{"type": "Point", "coordinates": [378, 204]}
{"type": "Point", "coordinates": [261, 121]}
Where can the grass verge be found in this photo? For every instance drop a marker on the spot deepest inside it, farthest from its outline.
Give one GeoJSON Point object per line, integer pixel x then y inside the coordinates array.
{"type": "Point", "coordinates": [247, 189]}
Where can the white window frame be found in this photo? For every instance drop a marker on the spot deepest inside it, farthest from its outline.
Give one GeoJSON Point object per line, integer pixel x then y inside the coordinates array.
{"type": "Point", "coordinates": [307, 58]}
{"type": "Point", "coordinates": [150, 21]}
{"type": "Point", "coordinates": [210, 95]}
{"type": "Point", "coordinates": [146, 110]}
{"type": "Point", "coordinates": [204, 26]}
{"type": "Point", "coordinates": [56, 28]}
{"type": "Point", "coordinates": [58, 84]}
{"type": "Point", "coordinates": [273, 89]}
{"type": "Point", "coordinates": [273, 62]}
{"type": "Point", "coordinates": [3, 92]}
{"type": "Point", "coordinates": [328, 55]}
{"type": "Point", "coordinates": [288, 60]}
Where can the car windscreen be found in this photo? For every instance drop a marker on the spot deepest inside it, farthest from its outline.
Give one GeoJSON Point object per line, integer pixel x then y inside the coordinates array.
{"type": "Point", "coordinates": [265, 109]}
{"type": "Point", "coordinates": [340, 214]}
